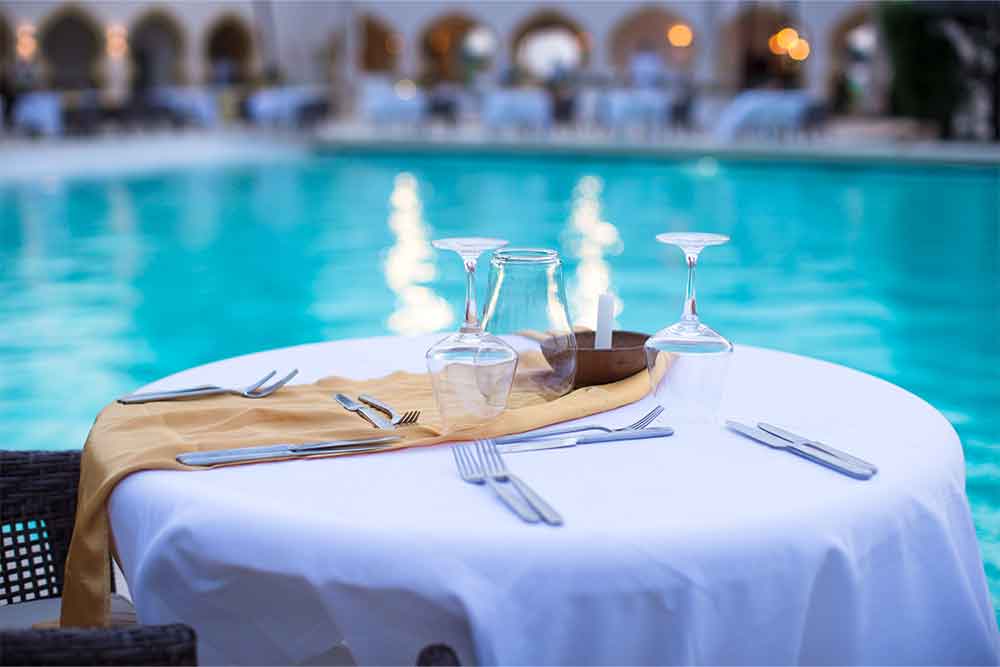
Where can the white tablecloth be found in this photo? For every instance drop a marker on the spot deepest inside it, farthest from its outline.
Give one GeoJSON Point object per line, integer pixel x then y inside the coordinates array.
{"type": "Point", "coordinates": [700, 548]}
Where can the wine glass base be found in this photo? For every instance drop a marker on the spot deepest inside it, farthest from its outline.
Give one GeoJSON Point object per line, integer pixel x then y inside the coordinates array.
{"type": "Point", "coordinates": [472, 375]}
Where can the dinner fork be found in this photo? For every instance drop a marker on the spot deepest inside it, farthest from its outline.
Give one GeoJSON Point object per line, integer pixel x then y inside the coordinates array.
{"type": "Point", "coordinates": [471, 470]}
{"type": "Point", "coordinates": [256, 390]}
{"type": "Point", "coordinates": [408, 417]}
{"type": "Point", "coordinates": [495, 467]}
{"type": "Point", "coordinates": [640, 423]}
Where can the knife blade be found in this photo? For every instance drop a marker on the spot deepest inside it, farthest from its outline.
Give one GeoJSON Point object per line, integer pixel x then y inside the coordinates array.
{"type": "Point", "coordinates": [536, 443]}
{"type": "Point", "coordinates": [241, 454]}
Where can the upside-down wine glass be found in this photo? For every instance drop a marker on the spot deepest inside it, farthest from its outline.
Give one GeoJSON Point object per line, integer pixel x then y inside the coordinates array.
{"type": "Point", "coordinates": [688, 361]}
{"type": "Point", "coordinates": [471, 371]}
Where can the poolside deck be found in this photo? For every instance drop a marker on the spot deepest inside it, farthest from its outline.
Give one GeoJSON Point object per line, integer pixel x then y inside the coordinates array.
{"type": "Point", "coordinates": [838, 144]}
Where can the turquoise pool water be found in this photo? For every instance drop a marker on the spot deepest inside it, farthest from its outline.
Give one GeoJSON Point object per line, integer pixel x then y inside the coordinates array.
{"type": "Point", "coordinates": [108, 283]}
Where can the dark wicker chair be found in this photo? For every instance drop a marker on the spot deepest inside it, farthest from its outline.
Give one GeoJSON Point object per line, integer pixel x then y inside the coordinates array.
{"type": "Point", "coordinates": [37, 510]}
{"type": "Point", "coordinates": [135, 645]}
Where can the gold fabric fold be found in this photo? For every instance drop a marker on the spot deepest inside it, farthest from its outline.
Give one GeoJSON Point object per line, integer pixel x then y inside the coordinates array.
{"type": "Point", "coordinates": [129, 438]}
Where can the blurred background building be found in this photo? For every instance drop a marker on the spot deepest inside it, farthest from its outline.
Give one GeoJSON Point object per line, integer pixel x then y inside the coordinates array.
{"type": "Point", "coordinates": [128, 60]}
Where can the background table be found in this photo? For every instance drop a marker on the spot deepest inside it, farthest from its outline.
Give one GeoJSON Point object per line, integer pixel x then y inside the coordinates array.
{"type": "Point", "coordinates": [700, 548]}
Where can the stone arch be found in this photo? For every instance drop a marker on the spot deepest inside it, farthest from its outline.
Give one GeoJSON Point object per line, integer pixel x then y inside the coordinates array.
{"type": "Point", "coordinates": [745, 60]}
{"type": "Point", "coordinates": [852, 78]}
{"type": "Point", "coordinates": [229, 51]}
{"type": "Point", "coordinates": [156, 49]}
{"type": "Point", "coordinates": [647, 29]}
{"type": "Point", "coordinates": [71, 44]}
{"type": "Point", "coordinates": [441, 46]}
{"type": "Point", "coordinates": [549, 21]}
{"type": "Point", "coordinates": [380, 45]}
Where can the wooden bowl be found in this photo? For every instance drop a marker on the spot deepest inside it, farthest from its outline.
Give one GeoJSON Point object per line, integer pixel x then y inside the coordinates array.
{"type": "Point", "coordinates": [625, 358]}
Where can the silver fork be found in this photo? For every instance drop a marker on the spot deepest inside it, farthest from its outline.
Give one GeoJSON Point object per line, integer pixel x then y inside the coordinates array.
{"type": "Point", "coordinates": [256, 390]}
{"type": "Point", "coordinates": [495, 467]}
{"type": "Point", "coordinates": [397, 419]}
{"type": "Point", "coordinates": [470, 468]}
{"type": "Point", "coordinates": [641, 423]}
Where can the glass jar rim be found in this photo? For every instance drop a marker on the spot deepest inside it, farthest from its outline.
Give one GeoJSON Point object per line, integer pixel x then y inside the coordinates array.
{"type": "Point", "coordinates": [525, 256]}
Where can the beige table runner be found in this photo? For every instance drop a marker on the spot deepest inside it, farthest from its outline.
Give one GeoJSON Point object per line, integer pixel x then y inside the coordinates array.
{"type": "Point", "coordinates": [129, 438]}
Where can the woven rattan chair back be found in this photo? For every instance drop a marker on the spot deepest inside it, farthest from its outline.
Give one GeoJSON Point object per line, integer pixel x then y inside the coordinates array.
{"type": "Point", "coordinates": [37, 510]}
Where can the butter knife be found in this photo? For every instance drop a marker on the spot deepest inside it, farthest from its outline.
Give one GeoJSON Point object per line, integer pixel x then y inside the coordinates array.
{"type": "Point", "coordinates": [799, 440]}
{"type": "Point", "coordinates": [810, 453]}
{"type": "Point", "coordinates": [372, 415]}
{"type": "Point", "coordinates": [537, 442]}
{"type": "Point", "coordinates": [242, 454]}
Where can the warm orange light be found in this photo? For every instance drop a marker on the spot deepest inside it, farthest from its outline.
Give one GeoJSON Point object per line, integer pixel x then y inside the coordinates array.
{"type": "Point", "coordinates": [25, 30]}
{"type": "Point", "coordinates": [27, 45]}
{"type": "Point", "coordinates": [680, 35]}
{"type": "Point", "coordinates": [117, 41]}
{"type": "Point", "coordinates": [799, 50]}
{"type": "Point", "coordinates": [786, 37]}
{"type": "Point", "coordinates": [773, 45]}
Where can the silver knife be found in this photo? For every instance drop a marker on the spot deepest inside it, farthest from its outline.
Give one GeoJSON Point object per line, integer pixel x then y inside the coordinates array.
{"type": "Point", "coordinates": [241, 454]}
{"type": "Point", "coordinates": [799, 440]}
{"type": "Point", "coordinates": [537, 442]}
{"type": "Point", "coordinates": [812, 454]}
{"type": "Point", "coordinates": [373, 416]}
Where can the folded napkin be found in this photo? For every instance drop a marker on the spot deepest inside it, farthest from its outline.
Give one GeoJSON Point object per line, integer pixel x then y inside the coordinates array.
{"type": "Point", "coordinates": [129, 438]}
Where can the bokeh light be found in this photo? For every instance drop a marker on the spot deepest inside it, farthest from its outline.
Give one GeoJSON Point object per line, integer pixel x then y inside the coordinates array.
{"type": "Point", "coordinates": [799, 50]}
{"type": "Point", "coordinates": [117, 41]}
{"type": "Point", "coordinates": [27, 45]}
{"type": "Point", "coordinates": [786, 37]}
{"type": "Point", "coordinates": [680, 35]}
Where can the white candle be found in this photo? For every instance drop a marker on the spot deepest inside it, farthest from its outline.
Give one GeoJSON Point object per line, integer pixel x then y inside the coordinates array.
{"type": "Point", "coordinates": [605, 321]}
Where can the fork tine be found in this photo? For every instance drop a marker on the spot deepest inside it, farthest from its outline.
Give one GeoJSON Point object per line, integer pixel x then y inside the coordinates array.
{"type": "Point", "coordinates": [255, 387]}
{"type": "Point", "coordinates": [484, 462]}
{"type": "Point", "coordinates": [458, 461]}
{"type": "Point", "coordinates": [414, 417]}
{"type": "Point", "coordinates": [267, 391]}
{"type": "Point", "coordinates": [498, 462]}
{"type": "Point", "coordinates": [468, 464]}
{"type": "Point", "coordinates": [648, 418]}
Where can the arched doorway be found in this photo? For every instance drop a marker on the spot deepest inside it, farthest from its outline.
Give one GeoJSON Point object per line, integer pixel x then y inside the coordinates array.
{"type": "Point", "coordinates": [380, 46]}
{"type": "Point", "coordinates": [71, 45]}
{"type": "Point", "coordinates": [229, 52]}
{"type": "Point", "coordinates": [548, 45]}
{"type": "Point", "coordinates": [854, 84]}
{"type": "Point", "coordinates": [156, 45]}
{"type": "Point", "coordinates": [746, 56]}
{"type": "Point", "coordinates": [445, 47]}
{"type": "Point", "coordinates": [654, 35]}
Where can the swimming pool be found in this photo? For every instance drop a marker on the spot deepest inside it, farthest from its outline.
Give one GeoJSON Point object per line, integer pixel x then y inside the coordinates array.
{"type": "Point", "coordinates": [112, 281]}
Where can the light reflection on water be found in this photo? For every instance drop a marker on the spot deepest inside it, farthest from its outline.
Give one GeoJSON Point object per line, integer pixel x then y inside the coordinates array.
{"type": "Point", "coordinates": [409, 262]}
{"type": "Point", "coordinates": [589, 238]}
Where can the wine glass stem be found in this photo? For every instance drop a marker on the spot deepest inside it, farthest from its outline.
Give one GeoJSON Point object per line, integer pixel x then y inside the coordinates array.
{"type": "Point", "coordinates": [471, 318]}
{"type": "Point", "coordinates": [690, 313]}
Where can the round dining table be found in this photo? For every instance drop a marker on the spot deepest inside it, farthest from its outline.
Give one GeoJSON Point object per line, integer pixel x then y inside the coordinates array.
{"type": "Point", "coordinates": [701, 547]}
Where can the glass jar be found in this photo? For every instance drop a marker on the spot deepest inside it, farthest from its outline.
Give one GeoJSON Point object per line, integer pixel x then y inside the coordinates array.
{"type": "Point", "coordinates": [527, 308]}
